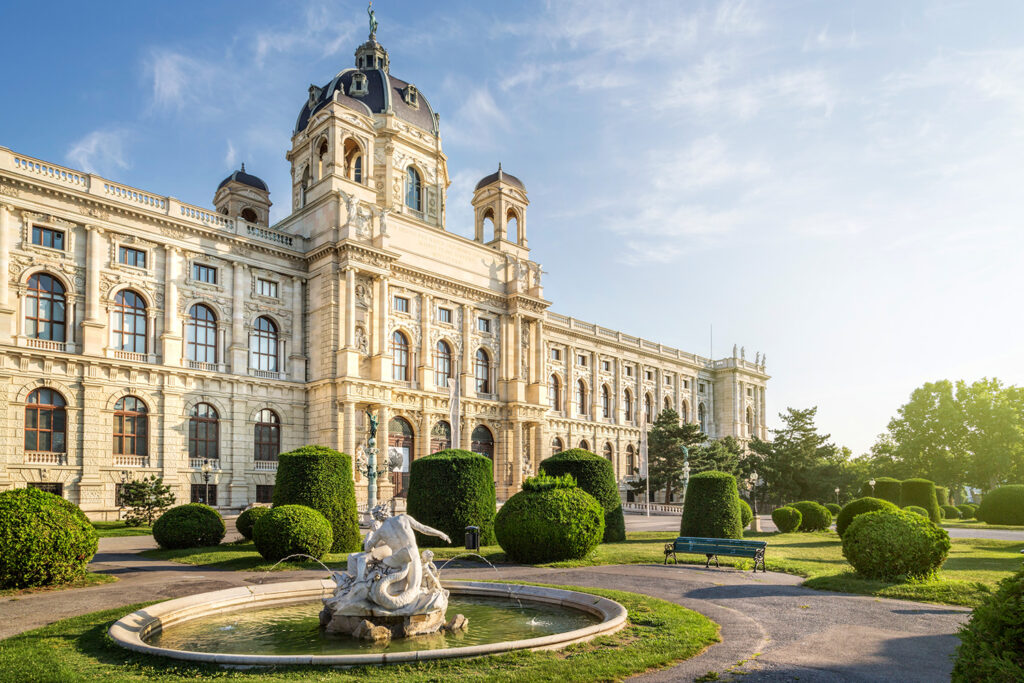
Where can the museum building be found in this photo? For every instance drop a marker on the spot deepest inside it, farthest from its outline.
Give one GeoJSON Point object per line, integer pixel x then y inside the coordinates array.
{"type": "Point", "coordinates": [140, 335]}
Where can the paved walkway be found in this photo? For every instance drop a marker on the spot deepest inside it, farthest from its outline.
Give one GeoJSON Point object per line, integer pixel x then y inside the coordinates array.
{"type": "Point", "coordinates": [777, 629]}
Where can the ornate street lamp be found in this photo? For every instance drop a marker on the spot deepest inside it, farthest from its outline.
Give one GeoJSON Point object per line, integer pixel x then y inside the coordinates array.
{"type": "Point", "coordinates": [754, 479]}
{"type": "Point", "coordinates": [872, 484]}
{"type": "Point", "coordinates": [368, 463]}
{"type": "Point", "coordinates": [837, 495]}
{"type": "Point", "coordinates": [206, 469]}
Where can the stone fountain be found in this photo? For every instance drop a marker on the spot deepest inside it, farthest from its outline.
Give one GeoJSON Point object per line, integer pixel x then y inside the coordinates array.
{"type": "Point", "coordinates": [390, 590]}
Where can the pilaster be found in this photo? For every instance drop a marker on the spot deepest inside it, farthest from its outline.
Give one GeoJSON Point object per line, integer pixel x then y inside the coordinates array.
{"type": "Point", "coordinates": [6, 309]}
{"type": "Point", "coordinates": [170, 340]}
{"type": "Point", "coordinates": [94, 326]}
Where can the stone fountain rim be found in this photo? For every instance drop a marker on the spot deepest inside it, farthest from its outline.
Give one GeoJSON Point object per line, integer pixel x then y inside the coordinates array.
{"type": "Point", "coordinates": [131, 630]}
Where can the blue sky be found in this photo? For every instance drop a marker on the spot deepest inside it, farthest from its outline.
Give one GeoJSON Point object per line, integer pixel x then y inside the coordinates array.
{"type": "Point", "coordinates": [837, 185]}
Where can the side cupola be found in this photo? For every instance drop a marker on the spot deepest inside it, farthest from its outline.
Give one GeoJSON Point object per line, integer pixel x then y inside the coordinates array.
{"type": "Point", "coordinates": [243, 195]}
{"type": "Point", "coordinates": [499, 209]}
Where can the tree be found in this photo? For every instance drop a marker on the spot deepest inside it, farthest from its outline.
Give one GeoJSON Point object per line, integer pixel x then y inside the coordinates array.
{"type": "Point", "coordinates": [994, 440]}
{"type": "Point", "coordinates": [146, 499]}
{"type": "Point", "coordinates": [798, 463]}
{"type": "Point", "coordinates": [665, 441]}
{"type": "Point", "coordinates": [927, 435]}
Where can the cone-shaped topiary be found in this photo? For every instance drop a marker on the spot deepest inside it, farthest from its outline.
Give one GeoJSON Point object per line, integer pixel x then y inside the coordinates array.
{"type": "Point", "coordinates": [596, 476]}
{"type": "Point", "coordinates": [321, 478]}
{"type": "Point", "coordinates": [834, 508]}
{"type": "Point", "coordinates": [247, 519]}
{"type": "Point", "coordinates": [746, 514]}
{"type": "Point", "coordinates": [895, 545]}
{"type": "Point", "coordinates": [942, 495]}
{"type": "Point", "coordinates": [967, 510]}
{"type": "Point", "coordinates": [292, 530]}
{"type": "Point", "coordinates": [787, 519]}
{"type": "Point", "coordinates": [712, 508]}
{"type": "Point", "coordinates": [1004, 505]}
{"type": "Point", "coordinates": [921, 492]}
{"type": "Point", "coordinates": [992, 642]}
{"type": "Point", "coordinates": [551, 519]}
{"type": "Point", "coordinates": [193, 525]}
{"type": "Point", "coordinates": [44, 539]}
{"type": "Point", "coordinates": [886, 488]}
{"type": "Point", "coordinates": [859, 507]}
{"type": "Point", "coordinates": [950, 512]}
{"type": "Point", "coordinates": [450, 490]}
{"type": "Point", "coordinates": [813, 516]}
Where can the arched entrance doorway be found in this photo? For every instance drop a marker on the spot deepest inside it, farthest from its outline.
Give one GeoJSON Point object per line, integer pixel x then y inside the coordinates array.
{"type": "Point", "coordinates": [400, 444]}
{"type": "Point", "coordinates": [440, 436]}
{"type": "Point", "coordinates": [483, 441]}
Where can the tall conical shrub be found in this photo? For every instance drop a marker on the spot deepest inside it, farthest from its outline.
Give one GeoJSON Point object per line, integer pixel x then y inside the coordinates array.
{"type": "Point", "coordinates": [321, 478]}
{"type": "Point", "coordinates": [712, 507]}
{"type": "Point", "coordinates": [921, 492]}
{"type": "Point", "coordinates": [450, 490]}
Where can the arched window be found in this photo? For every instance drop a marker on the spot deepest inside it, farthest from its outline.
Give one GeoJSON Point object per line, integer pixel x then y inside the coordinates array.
{"type": "Point", "coordinates": [442, 364]}
{"type": "Point", "coordinates": [607, 451]}
{"type": "Point", "coordinates": [413, 190]}
{"type": "Point", "coordinates": [45, 308]}
{"type": "Point", "coordinates": [131, 427]}
{"type": "Point", "coordinates": [627, 405]}
{"type": "Point", "coordinates": [647, 409]}
{"type": "Point", "coordinates": [487, 230]}
{"type": "Point", "coordinates": [440, 436]}
{"type": "Point", "coordinates": [267, 435]}
{"type": "Point", "coordinates": [555, 393]}
{"type": "Point", "coordinates": [263, 345]}
{"type": "Point", "coordinates": [512, 226]}
{"type": "Point", "coordinates": [249, 215]}
{"type": "Point", "coordinates": [581, 396]}
{"type": "Point", "coordinates": [399, 357]}
{"type": "Point", "coordinates": [203, 432]}
{"type": "Point", "coordinates": [201, 334]}
{"type": "Point", "coordinates": [630, 460]}
{"type": "Point", "coordinates": [668, 403]}
{"type": "Point", "coordinates": [401, 442]}
{"type": "Point", "coordinates": [46, 422]}
{"type": "Point", "coordinates": [483, 372]}
{"type": "Point", "coordinates": [321, 160]}
{"type": "Point", "coordinates": [128, 322]}
{"type": "Point", "coordinates": [701, 418]}
{"type": "Point", "coordinates": [606, 401]}
{"type": "Point", "coordinates": [304, 187]}
{"type": "Point", "coordinates": [482, 441]}
{"type": "Point", "coordinates": [686, 412]}
{"type": "Point", "coordinates": [557, 446]}
{"type": "Point", "coordinates": [584, 444]}
{"type": "Point", "coordinates": [750, 419]}
{"type": "Point", "coordinates": [353, 161]}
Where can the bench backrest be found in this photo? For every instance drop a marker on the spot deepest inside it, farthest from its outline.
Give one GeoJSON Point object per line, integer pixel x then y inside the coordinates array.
{"type": "Point", "coordinates": [716, 545]}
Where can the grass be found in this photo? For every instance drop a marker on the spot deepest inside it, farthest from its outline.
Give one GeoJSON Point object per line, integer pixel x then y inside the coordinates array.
{"type": "Point", "coordinates": [975, 524]}
{"type": "Point", "coordinates": [90, 579]}
{"type": "Point", "coordinates": [974, 564]}
{"type": "Point", "coordinates": [119, 528]}
{"type": "Point", "coordinates": [659, 634]}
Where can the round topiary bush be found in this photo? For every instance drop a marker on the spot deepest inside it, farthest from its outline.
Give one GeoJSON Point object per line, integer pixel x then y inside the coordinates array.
{"type": "Point", "coordinates": [813, 516]}
{"type": "Point", "coordinates": [746, 514]}
{"type": "Point", "coordinates": [894, 545]}
{"type": "Point", "coordinates": [859, 507]}
{"type": "Point", "coordinates": [921, 492]}
{"type": "Point", "coordinates": [1004, 505]}
{"type": "Point", "coordinates": [967, 510]}
{"type": "Point", "coordinates": [942, 495]}
{"type": "Point", "coordinates": [712, 508]}
{"type": "Point", "coordinates": [596, 476]}
{"type": "Point", "coordinates": [992, 642]}
{"type": "Point", "coordinates": [786, 518]}
{"type": "Point", "coordinates": [44, 539]}
{"type": "Point", "coordinates": [950, 512]}
{"type": "Point", "coordinates": [292, 530]}
{"type": "Point", "coordinates": [450, 490]}
{"type": "Point", "coordinates": [321, 478]}
{"type": "Point", "coordinates": [189, 526]}
{"type": "Point", "coordinates": [885, 488]}
{"type": "Point", "coordinates": [917, 510]}
{"type": "Point", "coordinates": [247, 519]}
{"type": "Point", "coordinates": [551, 519]}
{"type": "Point", "coordinates": [834, 508]}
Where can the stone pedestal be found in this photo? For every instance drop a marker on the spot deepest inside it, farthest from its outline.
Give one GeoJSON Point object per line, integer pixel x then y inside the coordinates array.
{"type": "Point", "coordinates": [400, 626]}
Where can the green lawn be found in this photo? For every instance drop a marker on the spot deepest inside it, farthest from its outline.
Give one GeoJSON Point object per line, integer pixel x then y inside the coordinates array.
{"type": "Point", "coordinates": [975, 524]}
{"type": "Point", "coordinates": [119, 528]}
{"type": "Point", "coordinates": [973, 566]}
{"type": "Point", "coordinates": [659, 634]}
{"type": "Point", "coordinates": [90, 579]}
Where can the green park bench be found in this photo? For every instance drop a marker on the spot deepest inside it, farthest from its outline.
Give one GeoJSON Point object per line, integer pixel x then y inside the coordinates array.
{"type": "Point", "coordinates": [713, 547]}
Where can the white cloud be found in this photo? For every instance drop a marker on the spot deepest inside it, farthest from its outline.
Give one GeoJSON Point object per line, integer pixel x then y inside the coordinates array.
{"type": "Point", "coordinates": [321, 32]}
{"type": "Point", "coordinates": [231, 156]}
{"type": "Point", "coordinates": [101, 151]}
{"type": "Point", "coordinates": [180, 82]}
{"type": "Point", "coordinates": [478, 120]}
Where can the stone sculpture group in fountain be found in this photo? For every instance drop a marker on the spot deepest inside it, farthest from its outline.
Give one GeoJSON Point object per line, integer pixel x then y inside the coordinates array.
{"type": "Point", "coordinates": [390, 589]}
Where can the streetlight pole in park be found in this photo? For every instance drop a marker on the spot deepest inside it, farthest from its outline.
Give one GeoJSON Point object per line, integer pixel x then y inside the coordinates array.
{"type": "Point", "coordinates": [872, 485]}
{"type": "Point", "coordinates": [837, 495]}
{"type": "Point", "coordinates": [206, 469]}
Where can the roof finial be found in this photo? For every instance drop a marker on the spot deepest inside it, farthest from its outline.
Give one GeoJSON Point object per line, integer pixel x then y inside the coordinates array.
{"type": "Point", "coordinates": [243, 167]}
{"type": "Point", "coordinates": [499, 167]}
{"type": "Point", "coordinates": [373, 21]}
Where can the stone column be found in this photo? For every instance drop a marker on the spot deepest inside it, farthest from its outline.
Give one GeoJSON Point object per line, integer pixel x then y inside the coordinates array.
{"type": "Point", "coordinates": [239, 344]}
{"type": "Point", "coordinates": [517, 456]}
{"type": "Point", "coordinates": [348, 437]}
{"type": "Point", "coordinates": [94, 325]}
{"type": "Point", "coordinates": [466, 369]}
{"type": "Point", "coordinates": [426, 374]}
{"type": "Point", "coordinates": [381, 368]}
{"type": "Point", "coordinates": [6, 310]}
{"type": "Point", "coordinates": [595, 392]}
{"type": "Point", "coordinates": [171, 340]}
{"type": "Point", "coordinates": [423, 442]}
{"type": "Point", "coordinates": [384, 488]}
{"type": "Point", "coordinates": [570, 384]}
{"type": "Point", "coordinates": [298, 354]}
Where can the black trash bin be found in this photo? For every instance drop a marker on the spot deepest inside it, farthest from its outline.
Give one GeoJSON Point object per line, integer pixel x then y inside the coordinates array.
{"type": "Point", "coordinates": [472, 538]}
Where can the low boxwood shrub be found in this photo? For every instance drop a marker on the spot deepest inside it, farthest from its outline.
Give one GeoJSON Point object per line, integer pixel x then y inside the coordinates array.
{"type": "Point", "coordinates": [712, 508]}
{"type": "Point", "coordinates": [950, 512]}
{"type": "Point", "coordinates": [917, 510]}
{"type": "Point", "coordinates": [834, 508]}
{"type": "Point", "coordinates": [813, 516]}
{"type": "Point", "coordinates": [44, 539]}
{"type": "Point", "coordinates": [450, 490]}
{"type": "Point", "coordinates": [891, 545]}
{"type": "Point", "coordinates": [859, 507]}
{"type": "Point", "coordinates": [189, 526]}
{"type": "Point", "coordinates": [885, 488]}
{"type": "Point", "coordinates": [248, 518]}
{"type": "Point", "coordinates": [746, 514]}
{"type": "Point", "coordinates": [786, 518]}
{"type": "Point", "coordinates": [551, 519]}
{"type": "Point", "coordinates": [992, 641]}
{"type": "Point", "coordinates": [321, 478]}
{"type": "Point", "coordinates": [596, 476]}
{"type": "Point", "coordinates": [967, 510]}
{"type": "Point", "coordinates": [921, 492]}
{"type": "Point", "coordinates": [290, 530]}
{"type": "Point", "coordinates": [1003, 505]}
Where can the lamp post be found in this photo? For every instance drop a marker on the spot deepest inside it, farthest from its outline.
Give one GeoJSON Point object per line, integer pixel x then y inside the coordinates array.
{"type": "Point", "coordinates": [753, 500]}
{"type": "Point", "coordinates": [837, 495]}
{"type": "Point", "coordinates": [206, 469]}
{"type": "Point", "coordinates": [872, 484]}
{"type": "Point", "coordinates": [125, 476]}
{"type": "Point", "coordinates": [370, 469]}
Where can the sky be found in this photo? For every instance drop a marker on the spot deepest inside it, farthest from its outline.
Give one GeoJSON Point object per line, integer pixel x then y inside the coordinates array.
{"type": "Point", "coordinates": [836, 185]}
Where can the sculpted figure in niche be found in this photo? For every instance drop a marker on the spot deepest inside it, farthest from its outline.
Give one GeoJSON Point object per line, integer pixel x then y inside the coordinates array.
{"type": "Point", "coordinates": [362, 343]}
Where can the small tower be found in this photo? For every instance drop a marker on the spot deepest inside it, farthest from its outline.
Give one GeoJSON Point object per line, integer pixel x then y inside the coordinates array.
{"type": "Point", "coordinates": [499, 204]}
{"type": "Point", "coordinates": [242, 195]}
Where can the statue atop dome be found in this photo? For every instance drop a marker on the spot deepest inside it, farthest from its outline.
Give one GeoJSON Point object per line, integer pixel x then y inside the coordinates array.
{"type": "Point", "coordinates": [373, 21]}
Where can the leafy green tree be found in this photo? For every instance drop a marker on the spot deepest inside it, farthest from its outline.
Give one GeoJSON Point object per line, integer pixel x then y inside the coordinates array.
{"type": "Point", "coordinates": [994, 418]}
{"type": "Point", "coordinates": [146, 499]}
{"type": "Point", "coordinates": [798, 463]}
{"type": "Point", "coordinates": [665, 440]}
{"type": "Point", "coordinates": [928, 435]}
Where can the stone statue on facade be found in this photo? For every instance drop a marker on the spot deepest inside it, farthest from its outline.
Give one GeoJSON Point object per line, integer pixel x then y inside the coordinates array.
{"type": "Point", "coordinates": [743, 352]}
{"type": "Point", "coordinates": [735, 351]}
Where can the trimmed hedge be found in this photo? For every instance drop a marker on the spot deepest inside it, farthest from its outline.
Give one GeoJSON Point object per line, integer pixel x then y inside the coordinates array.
{"type": "Point", "coordinates": [813, 516]}
{"type": "Point", "coordinates": [992, 641]}
{"type": "Point", "coordinates": [291, 530]}
{"type": "Point", "coordinates": [193, 525]}
{"type": "Point", "coordinates": [1003, 505]}
{"type": "Point", "coordinates": [321, 478]}
{"type": "Point", "coordinates": [44, 539]}
{"type": "Point", "coordinates": [746, 514]}
{"type": "Point", "coordinates": [917, 510]}
{"type": "Point", "coordinates": [967, 510]}
{"type": "Point", "coordinates": [950, 512]}
{"type": "Point", "coordinates": [712, 508]}
{"type": "Point", "coordinates": [895, 545]}
{"type": "Point", "coordinates": [859, 507]}
{"type": "Point", "coordinates": [786, 518]}
{"type": "Point", "coordinates": [549, 523]}
{"type": "Point", "coordinates": [834, 508]}
{"type": "Point", "coordinates": [450, 490]}
{"type": "Point", "coordinates": [596, 476]}
{"type": "Point", "coordinates": [921, 492]}
{"type": "Point", "coordinates": [942, 495]}
{"type": "Point", "coordinates": [248, 518]}
{"type": "Point", "coordinates": [886, 488]}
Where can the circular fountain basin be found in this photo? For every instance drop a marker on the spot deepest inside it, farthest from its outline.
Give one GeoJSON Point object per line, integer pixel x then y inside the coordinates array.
{"type": "Point", "coordinates": [218, 627]}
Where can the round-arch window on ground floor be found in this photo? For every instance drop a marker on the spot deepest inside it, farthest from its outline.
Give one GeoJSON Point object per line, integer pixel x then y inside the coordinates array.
{"type": "Point", "coordinates": [267, 435]}
{"type": "Point", "coordinates": [557, 446]}
{"type": "Point", "coordinates": [46, 422]}
{"type": "Point", "coordinates": [440, 436]}
{"type": "Point", "coordinates": [483, 441]}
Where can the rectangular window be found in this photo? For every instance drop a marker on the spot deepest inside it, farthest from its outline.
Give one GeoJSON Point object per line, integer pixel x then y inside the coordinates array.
{"type": "Point", "coordinates": [201, 273]}
{"type": "Point", "coordinates": [266, 288]}
{"type": "Point", "coordinates": [750, 392]}
{"type": "Point", "coordinates": [606, 365]}
{"type": "Point", "coordinates": [649, 375]}
{"type": "Point", "coordinates": [264, 493]}
{"type": "Point", "coordinates": [48, 487]}
{"type": "Point", "coordinates": [556, 354]}
{"type": "Point", "coordinates": [444, 315]}
{"type": "Point", "coordinates": [668, 380]}
{"type": "Point", "coordinates": [629, 371]}
{"type": "Point", "coordinates": [581, 359]}
{"type": "Point", "coordinates": [132, 257]}
{"type": "Point", "coordinates": [686, 384]}
{"type": "Point", "coordinates": [48, 237]}
{"type": "Point", "coordinates": [483, 324]}
{"type": "Point", "coordinates": [203, 493]}
{"type": "Point", "coordinates": [400, 304]}
{"type": "Point", "coordinates": [700, 387]}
